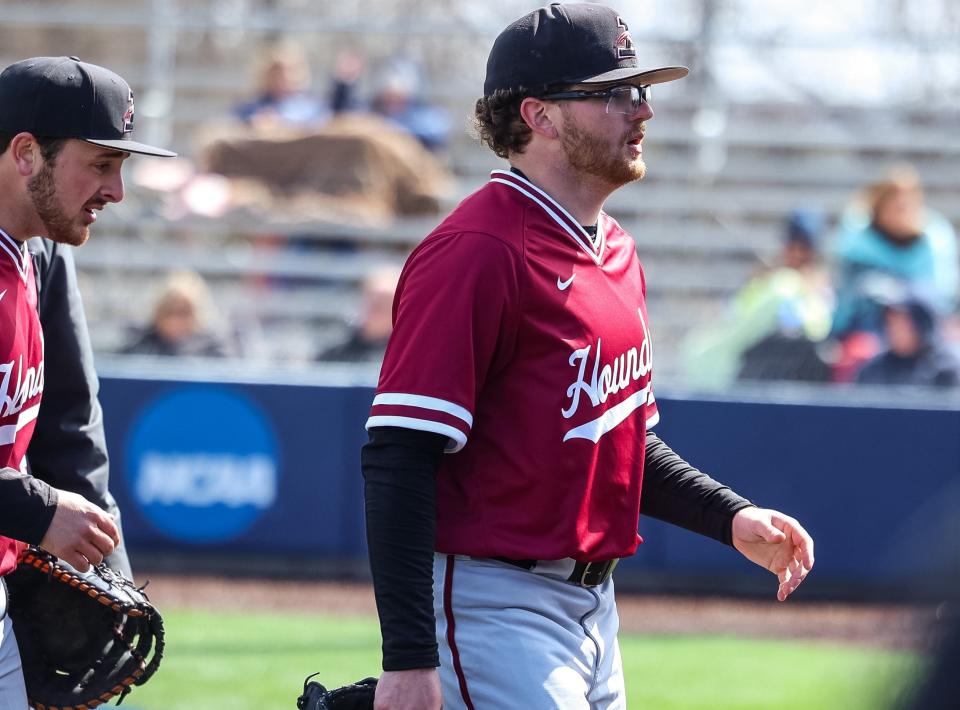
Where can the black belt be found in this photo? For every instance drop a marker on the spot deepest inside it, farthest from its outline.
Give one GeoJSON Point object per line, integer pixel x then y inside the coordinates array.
{"type": "Point", "coordinates": [585, 574]}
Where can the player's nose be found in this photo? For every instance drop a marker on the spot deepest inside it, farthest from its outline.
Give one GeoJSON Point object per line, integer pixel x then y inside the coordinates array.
{"type": "Point", "coordinates": [113, 188]}
{"type": "Point", "coordinates": [645, 113]}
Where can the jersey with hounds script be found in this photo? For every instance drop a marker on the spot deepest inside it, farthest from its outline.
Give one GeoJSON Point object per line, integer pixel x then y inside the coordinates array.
{"type": "Point", "coordinates": [527, 345]}
{"type": "Point", "coordinates": [21, 365]}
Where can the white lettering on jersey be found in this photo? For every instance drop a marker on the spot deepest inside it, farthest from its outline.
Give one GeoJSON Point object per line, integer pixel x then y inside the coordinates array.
{"type": "Point", "coordinates": [626, 368]}
{"type": "Point", "coordinates": [14, 394]}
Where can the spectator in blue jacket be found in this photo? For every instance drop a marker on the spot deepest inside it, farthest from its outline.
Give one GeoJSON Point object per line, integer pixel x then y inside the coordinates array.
{"type": "Point", "coordinates": [914, 354]}
{"type": "Point", "coordinates": [398, 97]}
{"type": "Point", "coordinates": [283, 96]}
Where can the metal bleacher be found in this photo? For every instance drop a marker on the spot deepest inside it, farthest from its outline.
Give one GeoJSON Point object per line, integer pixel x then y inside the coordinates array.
{"type": "Point", "coordinates": [702, 227]}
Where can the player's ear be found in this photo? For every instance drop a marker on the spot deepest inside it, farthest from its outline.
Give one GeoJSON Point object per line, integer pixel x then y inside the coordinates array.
{"type": "Point", "coordinates": [25, 152]}
{"type": "Point", "coordinates": [539, 115]}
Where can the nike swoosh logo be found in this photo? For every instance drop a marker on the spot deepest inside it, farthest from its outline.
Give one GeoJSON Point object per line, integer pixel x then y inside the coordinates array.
{"type": "Point", "coordinates": [564, 285]}
{"type": "Point", "coordinates": [2, 294]}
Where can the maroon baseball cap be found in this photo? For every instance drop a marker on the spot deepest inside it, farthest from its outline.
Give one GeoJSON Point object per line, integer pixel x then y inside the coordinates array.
{"type": "Point", "coordinates": [569, 43]}
{"type": "Point", "coordinates": [62, 97]}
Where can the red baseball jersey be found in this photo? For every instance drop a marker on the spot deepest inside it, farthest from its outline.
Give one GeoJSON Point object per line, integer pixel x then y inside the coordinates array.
{"type": "Point", "coordinates": [526, 344]}
{"type": "Point", "coordinates": [21, 365]}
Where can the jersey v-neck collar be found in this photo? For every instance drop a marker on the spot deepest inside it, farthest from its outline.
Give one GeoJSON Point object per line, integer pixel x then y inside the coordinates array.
{"type": "Point", "coordinates": [556, 212]}
{"type": "Point", "coordinates": [16, 251]}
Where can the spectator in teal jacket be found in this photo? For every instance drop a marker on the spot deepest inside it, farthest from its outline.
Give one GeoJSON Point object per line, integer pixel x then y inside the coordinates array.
{"type": "Point", "coordinates": [888, 241]}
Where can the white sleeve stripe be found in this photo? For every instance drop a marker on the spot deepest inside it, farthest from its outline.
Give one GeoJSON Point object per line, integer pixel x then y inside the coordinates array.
{"type": "Point", "coordinates": [652, 421]}
{"type": "Point", "coordinates": [457, 438]}
{"type": "Point", "coordinates": [417, 400]}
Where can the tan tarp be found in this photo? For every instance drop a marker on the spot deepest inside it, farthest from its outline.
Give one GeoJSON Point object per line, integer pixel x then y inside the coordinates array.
{"type": "Point", "coordinates": [357, 168]}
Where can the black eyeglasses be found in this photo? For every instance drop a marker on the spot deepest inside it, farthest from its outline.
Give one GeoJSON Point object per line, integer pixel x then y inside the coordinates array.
{"type": "Point", "coordinates": [620, 99]}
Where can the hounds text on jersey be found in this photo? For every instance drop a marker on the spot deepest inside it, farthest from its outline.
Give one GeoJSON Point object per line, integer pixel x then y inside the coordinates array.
{"type": "Point", "coordinates": [627, 368]}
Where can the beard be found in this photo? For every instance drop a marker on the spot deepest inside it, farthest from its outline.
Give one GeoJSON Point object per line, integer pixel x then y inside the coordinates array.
{"type": "Point", "coordinates": [592, 155]}
{"type": "Point", "coordinates": [43, 194]}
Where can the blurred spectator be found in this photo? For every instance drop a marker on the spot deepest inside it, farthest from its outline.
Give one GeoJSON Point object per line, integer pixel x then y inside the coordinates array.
{"type": "Point", "coordinates": [398, 97]}
{"type": "Point", "coordinates": [368, 338]}
{"type": "Point", "coordinates": [887, 240]}
{"type": "Point", "coordinates": [915, 354]}
{"type": "Point", "coordinates": [284, 98]}
{"type": "Point", "coordinates": [182, 322]}
{"type": "Point", "coordinates": [774, 324]}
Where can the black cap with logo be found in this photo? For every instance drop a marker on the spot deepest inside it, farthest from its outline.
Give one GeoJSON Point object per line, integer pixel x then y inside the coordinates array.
{"type": "Point", "coordinates": [62, 97]}
{"type": "Point", "coordinates": [568, 43]}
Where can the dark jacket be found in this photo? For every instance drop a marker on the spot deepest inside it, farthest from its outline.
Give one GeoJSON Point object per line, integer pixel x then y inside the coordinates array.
{"type": "Point", "coordinates": [933, 365]}
{"type": "Point", "coordinates": [150, 342]}
{"type": "Point", "coordinates": [355, 349]}
{"type": "Point", "coordinates": [69, 449]}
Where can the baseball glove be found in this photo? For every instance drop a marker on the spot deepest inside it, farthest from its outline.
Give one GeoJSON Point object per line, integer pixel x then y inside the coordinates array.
{"type": "Point", "coordinates": [356, 696]}
{"type": "Point", "coordinates": [84, 637]}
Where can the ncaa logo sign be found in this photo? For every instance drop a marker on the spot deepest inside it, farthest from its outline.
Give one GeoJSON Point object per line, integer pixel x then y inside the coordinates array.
{"type": "Point", "coordinates": [202, 464]}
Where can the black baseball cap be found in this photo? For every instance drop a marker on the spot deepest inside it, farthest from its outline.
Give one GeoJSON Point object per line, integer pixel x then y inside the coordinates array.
{"type": "Point", "coordinates": [568, 43]}
{"type": "Point", "coordinates": [62, 97]}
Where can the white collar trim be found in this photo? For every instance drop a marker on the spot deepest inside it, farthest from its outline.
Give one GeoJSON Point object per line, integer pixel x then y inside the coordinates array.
{"type": "Point", "coordinates": [16, 251]}
{"type": "Point", "coordinates": [556, 212]}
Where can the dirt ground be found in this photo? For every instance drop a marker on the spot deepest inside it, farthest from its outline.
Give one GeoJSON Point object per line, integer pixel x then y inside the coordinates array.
{"type": "Point", "coordinates": [888, 626]}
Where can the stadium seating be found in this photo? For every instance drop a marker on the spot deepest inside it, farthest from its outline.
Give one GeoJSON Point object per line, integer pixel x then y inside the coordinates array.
{"type": "Point", "coordinates": [706, 218]}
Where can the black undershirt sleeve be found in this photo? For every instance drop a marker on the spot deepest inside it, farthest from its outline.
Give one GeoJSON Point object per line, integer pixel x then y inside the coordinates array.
{"type": "Point", "coordinates": [675, 492]}
{"type": "Point", "coordinates": [27, 505]}
{"type": "Point", "coordinates": [399, 470]}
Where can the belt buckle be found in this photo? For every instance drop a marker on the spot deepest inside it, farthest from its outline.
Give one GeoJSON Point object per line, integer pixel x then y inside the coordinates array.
{"type": "Point", "coordinates": [596, 573]}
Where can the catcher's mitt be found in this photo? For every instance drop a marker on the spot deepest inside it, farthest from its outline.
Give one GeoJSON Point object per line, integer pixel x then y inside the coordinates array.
{"type": "Point", "coordinates": [84, 637]}
{"type": "Point", "coordinates": [356, 696]}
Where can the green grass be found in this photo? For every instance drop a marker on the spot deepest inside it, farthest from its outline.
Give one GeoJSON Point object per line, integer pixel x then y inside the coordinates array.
{"type": "Point", "coordinates": [245, 661]}
{"type": "Point", "coordinates": [724, 673]}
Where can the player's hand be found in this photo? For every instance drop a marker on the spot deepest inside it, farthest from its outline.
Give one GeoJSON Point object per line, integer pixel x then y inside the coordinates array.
{"type": "Point", "coordinates": [776, 542]}
{"type": "Point", "coordinates": [417, 689]}
{"type": "Point", "coordinates": [81, 533]}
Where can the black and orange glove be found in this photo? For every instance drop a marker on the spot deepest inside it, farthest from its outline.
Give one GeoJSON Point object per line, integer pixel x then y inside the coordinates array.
{"type": "Point", "coordinates": [84, 637]}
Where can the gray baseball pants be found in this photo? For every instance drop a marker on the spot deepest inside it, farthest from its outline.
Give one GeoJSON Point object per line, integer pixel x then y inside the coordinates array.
{"type": "Point", "coordinates": [512, 638]}
{"type": "Point", "coordinates": [13, 693]}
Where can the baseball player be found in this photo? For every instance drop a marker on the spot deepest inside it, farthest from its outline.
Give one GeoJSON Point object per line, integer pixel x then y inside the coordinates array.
{"type": "Point", "coordinates": [65, 129]}
{"type": "Point", "coordinates": [511, 448]}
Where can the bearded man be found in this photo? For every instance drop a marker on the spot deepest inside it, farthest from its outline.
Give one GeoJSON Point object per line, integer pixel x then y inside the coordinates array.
{"type": "Point", "coordinates": [511, 447]}
{"type": "Point", "coordinates": [65, 128]}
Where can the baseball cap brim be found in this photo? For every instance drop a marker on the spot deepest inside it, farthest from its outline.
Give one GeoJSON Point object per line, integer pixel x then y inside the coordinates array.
{"type": "Point", "coordinates": [651, 76]}
{"type": "Point", "coordinates": [132, 147]}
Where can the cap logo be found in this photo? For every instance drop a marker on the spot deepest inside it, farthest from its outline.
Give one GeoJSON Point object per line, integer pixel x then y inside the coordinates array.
{"type": "Point", "coordinates": [128, 115]}
{"type": "Point", "coordinates": [625, 48]}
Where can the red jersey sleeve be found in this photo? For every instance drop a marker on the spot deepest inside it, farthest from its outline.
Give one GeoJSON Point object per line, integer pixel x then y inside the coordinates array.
{"type": "Point", "coordinates": [455, 322]}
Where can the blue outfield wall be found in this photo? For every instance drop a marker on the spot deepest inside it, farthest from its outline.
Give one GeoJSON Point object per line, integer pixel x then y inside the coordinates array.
{"type": "Point", "coordinates": [244, 470]}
